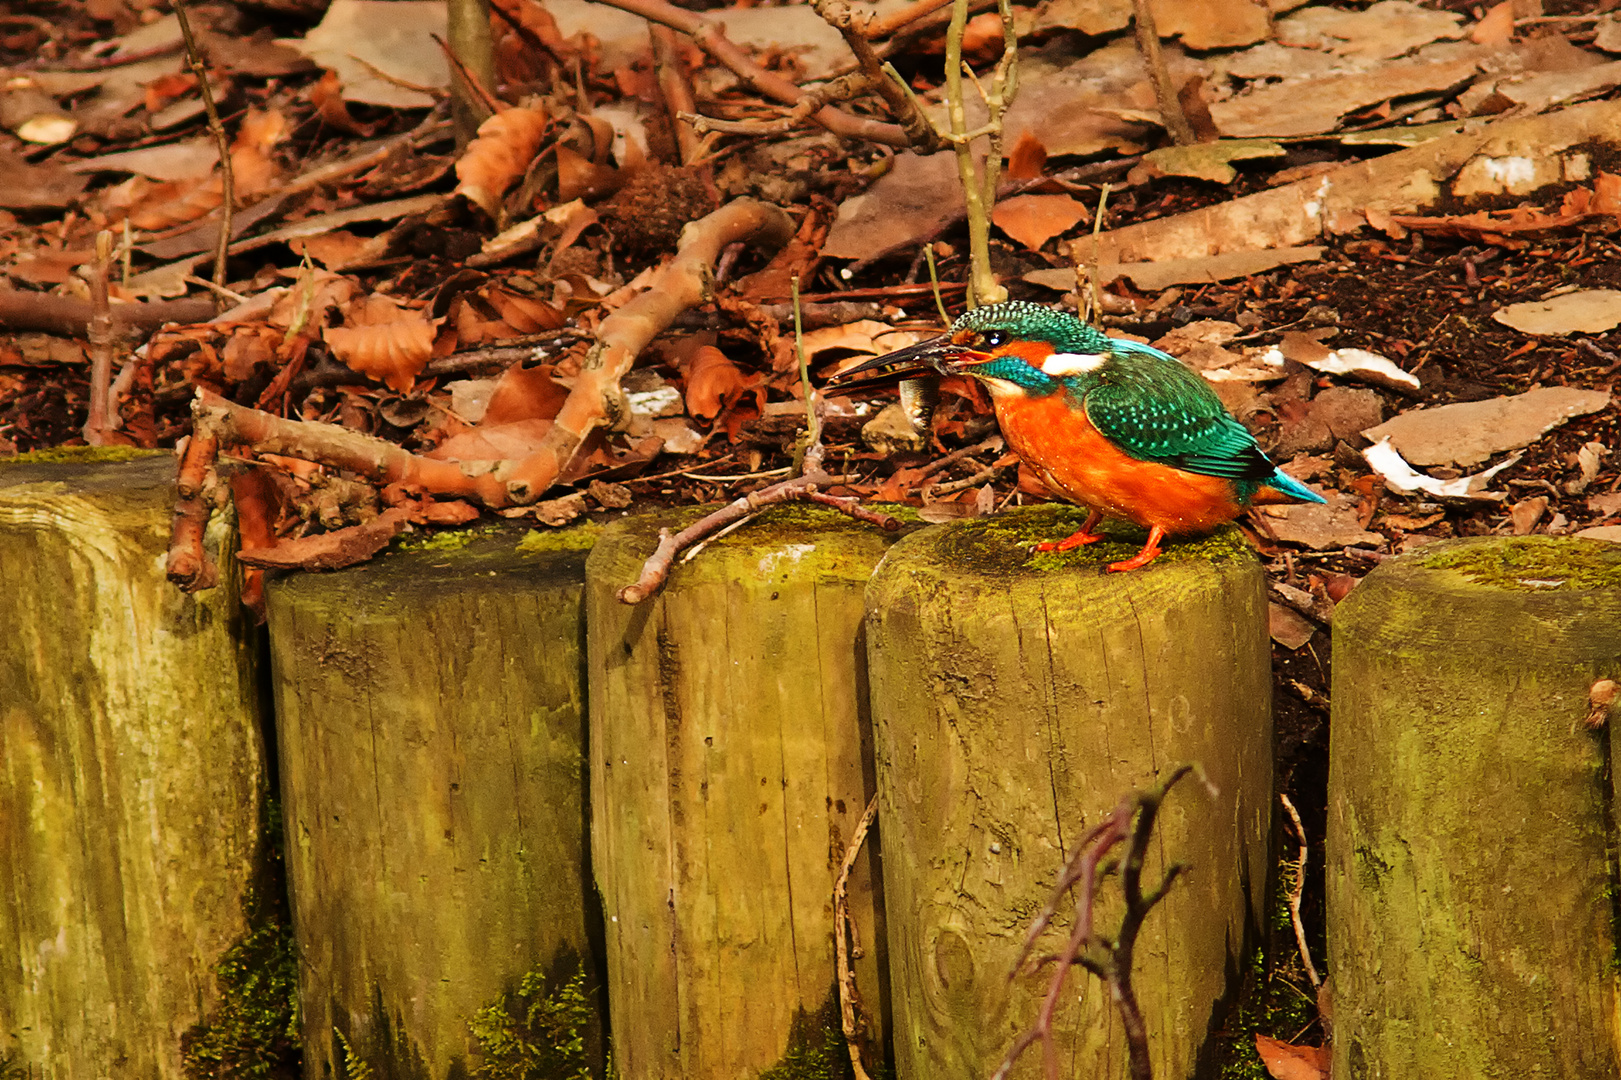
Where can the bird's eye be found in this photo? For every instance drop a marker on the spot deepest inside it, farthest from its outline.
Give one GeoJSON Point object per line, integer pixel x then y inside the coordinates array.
{"type": "Point", "coordinates": [993, 338]}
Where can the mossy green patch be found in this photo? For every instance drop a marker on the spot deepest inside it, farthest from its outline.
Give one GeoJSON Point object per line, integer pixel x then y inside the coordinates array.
{"type": "Point", "coordinates": [1529, 563]}
{"type": "Point", "coordinates": [1270, 1002]}
{"type": "Point", "coordinates": [816, 1047]}
{"type": "Point", "coordinates": [252, 1034]}
{"type": "Point", "coordinates": [81, 455]}
{"type": "Point", "coordinates": [581, 536]}
{"type": "Point", "coordinates": [445, 539]}
{"type": "Point", "coordinates": [1003, 543]}
{"type": "Point", "coordinates": [539, 1032]}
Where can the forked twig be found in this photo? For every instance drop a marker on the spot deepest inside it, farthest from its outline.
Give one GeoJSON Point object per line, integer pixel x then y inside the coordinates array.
{"type": "Point", "coordinates": [1108, 957]}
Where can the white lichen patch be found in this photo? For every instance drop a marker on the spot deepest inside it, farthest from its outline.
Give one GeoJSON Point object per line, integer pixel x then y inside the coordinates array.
{"type": "Point", "coordinates": [784, 557]}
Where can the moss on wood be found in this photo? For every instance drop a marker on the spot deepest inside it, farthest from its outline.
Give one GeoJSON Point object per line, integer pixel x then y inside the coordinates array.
{"type": "Point", "coordinates": [1470, 933]}
{"type": "Point", "coordinates": [252, 1032]}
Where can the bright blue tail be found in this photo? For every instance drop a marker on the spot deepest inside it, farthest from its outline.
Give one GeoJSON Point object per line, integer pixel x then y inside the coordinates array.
{"type": "Point", "coordinates": [1284, 484]}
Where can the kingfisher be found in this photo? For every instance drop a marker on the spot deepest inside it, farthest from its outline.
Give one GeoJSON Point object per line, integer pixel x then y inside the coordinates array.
{"type": "Point", "coordinates": [1116, 426]}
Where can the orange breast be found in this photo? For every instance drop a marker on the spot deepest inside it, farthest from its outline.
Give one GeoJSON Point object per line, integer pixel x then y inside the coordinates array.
{"type": "Point", "coordinates": [1079, 464]}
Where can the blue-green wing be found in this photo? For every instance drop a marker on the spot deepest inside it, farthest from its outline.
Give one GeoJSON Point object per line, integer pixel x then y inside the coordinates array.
{"type": "Point", "coordinates": [1155, 409]}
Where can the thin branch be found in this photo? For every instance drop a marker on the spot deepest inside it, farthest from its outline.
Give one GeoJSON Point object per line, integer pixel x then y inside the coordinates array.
{"type": "Point", "coordinates": [843, 931]}
{"type": "Point", "coordinates": [1108, 957]}
{"type": "Point", "coordinates": [806, 488]}
{"type": "Point", "coordinates": [596, 399]}
{"type": "Point", "coordinates": [920, 131]}
{"type": "Point", "coordinates": [709, 37]}
{"type": "Point", "coordinates": [217, 129]}
{"type": "Point", "coordinates": [1170, 104]}
{"type": "Point", "coordinates": [98, 422]}
{"type": "Point", "coordinates": [843, 88]}
{"type": "Point", "coordinates": [1295, 891]}
{"type": "Point", "coordinates": [882, 27]}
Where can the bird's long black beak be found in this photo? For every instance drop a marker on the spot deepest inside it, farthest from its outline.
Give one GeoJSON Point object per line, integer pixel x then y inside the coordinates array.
{"type": "Point", "coordinates": [937, 355]}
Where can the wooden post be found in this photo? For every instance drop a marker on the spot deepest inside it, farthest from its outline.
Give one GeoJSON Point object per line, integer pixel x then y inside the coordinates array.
{"type": "Point", "coordinates": [730, 764]}
{"type": "Point", "coordinates": [131, 773]}
{"type": "Point", "coordinates": [430, 720]}
{"type": "Point", "coordinates": [1016, 698]}
{"type": "Point", "coordinates": [1470, 904]}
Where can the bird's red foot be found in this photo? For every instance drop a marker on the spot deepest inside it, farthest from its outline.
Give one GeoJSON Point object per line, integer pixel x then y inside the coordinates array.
{"type": "Point", "coordinates": [1071, 542]}
{"type": "Point", "coordinates": [1148, 554]}
{"type": "Point", "coordinates": [1083, 535]}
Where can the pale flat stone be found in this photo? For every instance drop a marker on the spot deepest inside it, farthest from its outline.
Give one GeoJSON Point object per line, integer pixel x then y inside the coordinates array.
{"type": "Point", "coordinates": [1470, 432]}
{"type": "Point", "coordinates": [1591, 311]}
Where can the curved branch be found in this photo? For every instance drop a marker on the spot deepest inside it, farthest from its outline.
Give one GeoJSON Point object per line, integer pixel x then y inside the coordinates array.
{"type": "Point", "coordinates": [709, 36]}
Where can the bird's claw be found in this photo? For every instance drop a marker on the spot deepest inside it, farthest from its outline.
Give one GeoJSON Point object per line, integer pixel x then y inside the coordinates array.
{"type": "Point", "coordinates": [1069, 543]}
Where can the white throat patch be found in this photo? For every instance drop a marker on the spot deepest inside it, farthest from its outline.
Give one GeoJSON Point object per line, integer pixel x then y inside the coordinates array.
{"type": "Point", "coordinates": [1060, 364]}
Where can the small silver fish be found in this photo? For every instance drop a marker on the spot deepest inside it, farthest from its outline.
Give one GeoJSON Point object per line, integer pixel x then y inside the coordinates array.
{"type": "Point", "coordinates": [918, 400]}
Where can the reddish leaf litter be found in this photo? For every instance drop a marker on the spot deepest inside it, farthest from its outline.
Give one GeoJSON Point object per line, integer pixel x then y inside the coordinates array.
{"type": "Point", "coordinates": [451, 302]}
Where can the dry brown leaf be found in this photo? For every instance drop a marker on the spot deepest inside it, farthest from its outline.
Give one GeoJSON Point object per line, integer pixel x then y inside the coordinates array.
{"type": "Point", "coordinates": [1288, 1062]}
{"type": "Point", "coordinates": [507, 142]}
{"type": "Point", "coordinates": [524, 394]}
{"type": "Point", "coordinates": [1027, 158]}
{"type": "Point", "coordinates": [525, 314]}
{"type": "Point", "coordinates": [311, 301]}
{"type": "Point", "coordinates": [712, 379]}
{"type": "Point", "coordinates": [1033, 220]}
{"type": "Point", "coordinates": [579, 177]}
{"type": "Point", "coordinates": [473, 325]}
{"type": "Point", "coordinates": [1382, 31]}
{"type": "Point", "coordinates": [493, 442]}
{"type": "Point", "coordinates": [915, 198]}
{"type": "Point", "coordinates": [253, 172]}
{"type": "Point", "coordinates": [1212, 24]}
{"type": "Point", "coordinates": [248, 347]}
{"type": "Point", "coordinates": [385, 341]}
{"type": "Point", "coordinates": [332, 249]}
{"type": "Point", "coordinates": [326, 94]}
{"type": "Point", "coordinates": [1496, 27]}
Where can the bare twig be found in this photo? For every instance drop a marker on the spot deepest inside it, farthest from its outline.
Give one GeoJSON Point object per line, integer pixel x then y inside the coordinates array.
{"type": "Point", "coordinates": [883, 27]}
{"type": "Point", "coordinates": [1109, 957]}
{"type": "Point", "coordinates": [471, 95]}
{"type": "Point", "coordinates": [979, 187]}
{"type": "Point", "coordinates": [188, 563]}
{"type": "Point", "coordinates": [1296, 888]}
{"type": "Point", "coordinates": [920, 131]}
{"type": "Point", "coordinates": [1170, 104]}
{"type": "Point", "coordinates": [97, 422]}
{"type": "Point", "coordinates": [194, 56]}
{"type": "Point", "coordinates": [709, 37]}
{"type": "Point", "coordinates": [951, 487]}
{"type": "Point", "coordinates": [843, 935]}
{"type": "Point", "coordinates": [843, 88]}
{"type": "Point", "coordinates": [806, 488]}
